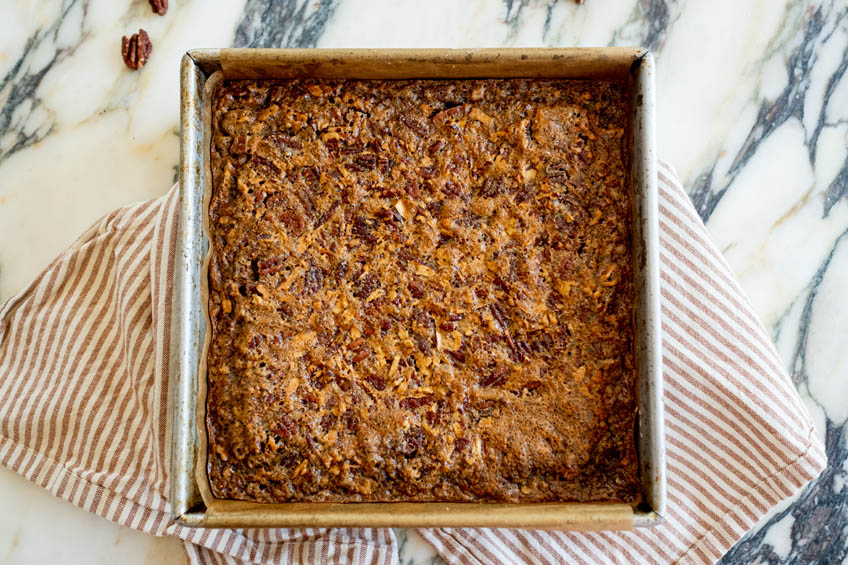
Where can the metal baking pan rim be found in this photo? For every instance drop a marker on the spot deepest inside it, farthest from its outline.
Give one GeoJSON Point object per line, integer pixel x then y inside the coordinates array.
{"type": "Point", "coordinates": [187, 505]}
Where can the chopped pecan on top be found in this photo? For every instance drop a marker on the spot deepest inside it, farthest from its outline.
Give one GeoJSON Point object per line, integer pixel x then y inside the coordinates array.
{"type": "Point", "coordinates": [494, 379]}
{"type": "Point", "coordinates": [414, 402]}
{"type": "Point", "coordinates": [136, 49]}
{"type": "Point", "coordinates": [452, 113]}
{"type": "Point", "coordinates": [159, 6]}
{"type": "Point", "coordinates": [458, 355]}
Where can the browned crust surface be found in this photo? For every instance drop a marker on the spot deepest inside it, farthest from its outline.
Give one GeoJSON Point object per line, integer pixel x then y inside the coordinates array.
{"type": "Point", "coordinates": [421, 290]}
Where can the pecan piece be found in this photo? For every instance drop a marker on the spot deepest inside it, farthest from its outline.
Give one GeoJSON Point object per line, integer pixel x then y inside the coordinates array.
{"type": "Point", "coordinates": [363, 163]}
{"type": "Point", "coordinates": [351, 420]}
{"type": "Point", "coordinates": [363, 353]}
{"type": "Point", "coordinates": [412, 189]}
{"type": "Point", "coordinates": [363, 228]}
{"type": "Point", "coordinates": [451, 114]}
{"type": "Point", "coordinates": [356, 344]}
{"type": "Point", "coordinates": [558, 173]}
{"type": "Point", "coordinates": [390, 215]}
{"type": "Point", "coordinates": [307, 398]}
{"type": "Point", "coordinates": [287, 141]}
{"type": "Point", "coordinates": [415, 290]}
{"type": "Point", "coordinates": [313, 280]}
{"type": "Point", "coordinates": [517, 353]}
{"type": "Point", "coordinates": [310, 174]}
{"type": "Point", "coordinates": [292, 221]}
{"type": "Point", "coordinates": [434, 418]}
{"type": "Point", "coordinates": [285, 428]}
{"type": "Point", "coordinates": [266, 166]}
{"type": "Point", "coordinates": [458, 355]}
{"type": "Point", "coordinates": [376, 381]}
{"type": "Point", "coordinates": [365, 285]}
{"type": "Point", "coordinates": [327, 422]}
{"type": "Point", "coordinates": [240, 145]}
{"type": "Point", "coordinates": [428, 172]}
{"type": "Point", "coordinates": [323, 218]}
{"type": "Point", "coordinates": [435, 147]}
{"type": "Point", "coordinates": [493, 379]}
{"type": "Point", "coordinates": [500, 283]}
{"type": "Point", "coordinates": [460, 444]}
{"type": "Point", "coordinates": [414, 402]}
{"type": "Point", "coordinates": [136, 49]}
{"type": "Point", "coordinates": [422, 129]}
{"type": "Point", "coordinates": [343, 383]}
{"type": "Point", "coordinates": [494, 186]}
{"type": "Point", "coordinates": [413, 441]}
{"type": "Point", "coordinates": [578, 213]}
{"type": "Point", "coordinates": [270, 266]}
{"type": "Point", "coordinates": [523, 347]}
{"type": "Point", "coordinates": [498, 314]}
{"type": "Point", "coordinates": [159, 6]}
{"type": "Point", "coordinates": [452, 188]}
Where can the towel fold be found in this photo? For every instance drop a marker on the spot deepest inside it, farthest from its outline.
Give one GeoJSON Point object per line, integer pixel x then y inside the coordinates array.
{"type": "Point", "coordinates": [85, 355]}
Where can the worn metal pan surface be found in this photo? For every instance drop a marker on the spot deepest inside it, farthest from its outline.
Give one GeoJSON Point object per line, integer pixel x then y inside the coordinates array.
{"type": "Point", "coordinates": [191, 501]}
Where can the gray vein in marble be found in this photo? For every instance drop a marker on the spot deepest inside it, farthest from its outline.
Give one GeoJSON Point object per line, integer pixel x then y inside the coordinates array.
{"type": "Point", "coordinates": [838, 189]}
{"type": "Point", "coordinates": [549, 12]}
{"type": "Point", "coordinates": [652, 21]}
{"type": "Point", "coordinates": [402, 536]}
{"type": "Point", "coordinates": [818, 28]}
{"type": "Point", "coordinates": [287, 23]}
{"type": "Point", "coordinates": [514, 9]}
{"type": "Point", "coordinates": [18, 88]}
{"type": "Point", "coordinates": [820, 517]}
{"type": "Point", "coordinates": [797, 366]}
{"type": "Point", "coordinates": [651, 16]}
{"type": "Point", "coordinates": [656, 14]}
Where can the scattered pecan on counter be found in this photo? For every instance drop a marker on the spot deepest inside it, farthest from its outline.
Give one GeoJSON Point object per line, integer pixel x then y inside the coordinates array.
{"type": "Point", "coordinates": [136, 49]}
{"type": "Point", "coordinates": [159, 6]}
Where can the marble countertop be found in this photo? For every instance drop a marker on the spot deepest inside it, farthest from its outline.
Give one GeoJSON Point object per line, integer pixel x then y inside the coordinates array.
{"type": "Point", "coordinates": [752, 111]}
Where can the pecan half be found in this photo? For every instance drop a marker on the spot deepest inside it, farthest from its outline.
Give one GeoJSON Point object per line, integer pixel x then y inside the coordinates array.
{"type": "Point", "coordinates": [159, 6]}
{"type": "Point", "coordinates": [136, 49]}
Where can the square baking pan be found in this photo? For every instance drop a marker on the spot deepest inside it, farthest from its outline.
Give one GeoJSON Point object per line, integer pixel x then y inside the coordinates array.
{"type": "Point", "coordinates": [191, 500]}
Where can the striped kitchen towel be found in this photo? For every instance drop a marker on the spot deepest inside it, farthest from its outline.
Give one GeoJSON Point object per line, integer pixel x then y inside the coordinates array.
{"type": "Point", "coordinates": [84, 357]}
